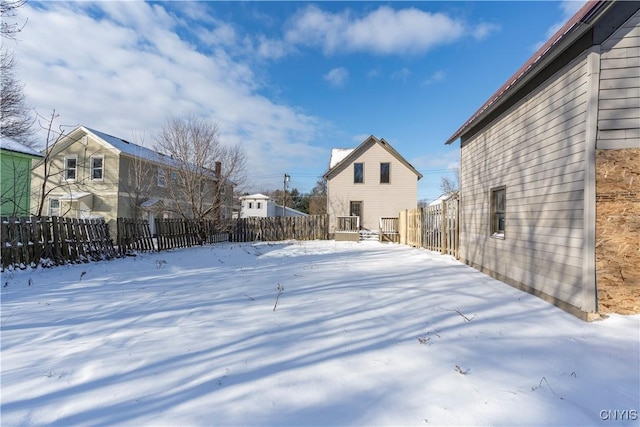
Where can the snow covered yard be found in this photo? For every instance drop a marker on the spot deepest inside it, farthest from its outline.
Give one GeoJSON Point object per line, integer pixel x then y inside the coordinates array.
{"type": "Point", "coordinates": [362, 334]}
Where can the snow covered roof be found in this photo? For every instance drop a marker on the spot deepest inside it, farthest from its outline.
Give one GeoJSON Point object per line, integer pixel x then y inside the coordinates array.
{"type": "Point", "coordinates": [9, 144]}
{"type": "Point", "coordinates": [441, 199]}
{"type": "Point", "coordinates": [338, 155]}
{"type": "Point", "coordinates": [255, 196]}
{"type": "Point", "coordinates": [133, 149]}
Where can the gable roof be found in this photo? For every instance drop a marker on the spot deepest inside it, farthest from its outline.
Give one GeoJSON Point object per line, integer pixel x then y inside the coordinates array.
{"type": "Point", "coordinates": [558, 44]}
{"type": "Point", "coordinates": [12, 145]}
{"type": "Point", "coordinates": [130, 148]}
{"type": "Point", "coordinates": [345, 156]}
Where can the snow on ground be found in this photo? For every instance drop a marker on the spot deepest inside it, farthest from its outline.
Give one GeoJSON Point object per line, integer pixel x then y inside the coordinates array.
{"type": "Point", "coordinates": [363, 334]}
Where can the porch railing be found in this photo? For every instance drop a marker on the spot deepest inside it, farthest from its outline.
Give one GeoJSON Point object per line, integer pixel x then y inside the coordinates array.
{"type": "Point", "coordinates": [348, 224]}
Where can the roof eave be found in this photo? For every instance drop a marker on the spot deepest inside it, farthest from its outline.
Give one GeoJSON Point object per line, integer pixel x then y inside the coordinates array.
{"type": "Point", "coordinates": [575, 28]}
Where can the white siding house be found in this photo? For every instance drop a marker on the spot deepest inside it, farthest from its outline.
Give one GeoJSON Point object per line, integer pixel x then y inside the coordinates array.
{"type": "Point", "coordinates": [371, 181]}
{"type": "Point", "coordinates": [528, 157]}
{"type": "Point", "coordinates": [259, 205]}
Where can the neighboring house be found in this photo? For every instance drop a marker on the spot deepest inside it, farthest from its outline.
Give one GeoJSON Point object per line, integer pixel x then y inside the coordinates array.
{"type": "Point", "coordinates": [96, 175]}
{"type": "Point", "coordinates": [543, 158]}
{"type": "Point", "coordinates": [370, 182]}
{"type": "Point", "coordinates": [15, 177]}
{"type": "Point", "coordinates": [259, 205]}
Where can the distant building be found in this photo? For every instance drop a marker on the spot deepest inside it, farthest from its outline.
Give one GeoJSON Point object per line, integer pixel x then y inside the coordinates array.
{"type": "Point", "coordinates": [96, 175]}
{"type": "Point", "coordinates": [259, 205]}
{"type": "Point", "coordinates": [369, 182]}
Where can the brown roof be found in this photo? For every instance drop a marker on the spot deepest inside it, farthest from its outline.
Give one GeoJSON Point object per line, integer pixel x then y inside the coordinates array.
{"type": "Point", "coordinates": [582, 16]}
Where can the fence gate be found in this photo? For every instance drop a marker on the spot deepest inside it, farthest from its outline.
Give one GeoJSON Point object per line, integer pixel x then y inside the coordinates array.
{"type": "Point", "coordinates": [435, 228]}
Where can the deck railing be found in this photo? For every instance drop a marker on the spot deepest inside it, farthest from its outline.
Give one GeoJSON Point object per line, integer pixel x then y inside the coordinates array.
{"type": "Point", "coordinates": [389, 229]}
{"type": "Point", "coordinates": [348, 224]}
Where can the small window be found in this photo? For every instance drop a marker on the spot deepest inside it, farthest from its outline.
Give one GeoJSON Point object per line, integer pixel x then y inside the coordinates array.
{"type": "Point", "coordinates": [97, 168]}
{"type": "Point", "coordinates": [358, 173]}
{"type": "Point", "coordinates": [54, 207]}
{"type": "Point", "coordinates": [174, 176]}
{"type": "Point", "coordinates": [498, 205]}
{"type": "Point", "coordinates": [250, 205]}
{"type": "Point", "coordinates": [161, 178]}
{"type": "Point", "coordinates": [258, 205]}
{"type": "Point", "coordinates": [70, 168]}
{"type": "Point", "coordinates": [385, 173]}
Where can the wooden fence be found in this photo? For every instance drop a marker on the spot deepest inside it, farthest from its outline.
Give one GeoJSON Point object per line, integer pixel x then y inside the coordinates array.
{"type": "Point", "coordinates": [271, 229]}
{"type": "Point", "coordinates": [135, 235]}
{"type": "Point", "coordinates": [435, 227]}
{"type": "Point", "coordinates": [57, 240]}
{"type": "Point", "coordinates": [32, 241]}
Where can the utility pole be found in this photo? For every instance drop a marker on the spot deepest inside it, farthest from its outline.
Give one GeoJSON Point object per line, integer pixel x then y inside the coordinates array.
{"type": "Point", "coordinates": [284, 194]}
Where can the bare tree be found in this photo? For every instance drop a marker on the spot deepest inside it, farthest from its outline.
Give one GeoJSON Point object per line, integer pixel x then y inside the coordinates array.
{"type": "Point", "coordinates": [200, 171]}
{"type": "Point", "coordinates": [140, 179]}
{"type": "Point", "coordinates": [318, 198]}
{"type": "Point", "coordinates": [16, 121]}
{"type": "Point", "coordinates": [43, 169]}
{"type": "Point", "coordinates": [448, 184]}
{"type": "Point", "coordinates": [9, 9]}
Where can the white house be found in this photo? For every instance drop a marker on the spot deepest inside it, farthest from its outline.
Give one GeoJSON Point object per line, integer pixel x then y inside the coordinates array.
{"type": "Point", "coordinates": [259, 205]}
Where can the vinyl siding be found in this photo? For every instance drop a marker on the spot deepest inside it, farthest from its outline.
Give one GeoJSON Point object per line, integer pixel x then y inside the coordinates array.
{"type": "Point", "coordinates": [535, 150]}
{"type": "Point", "coordinates": [619, 93]}
{"type": "Point", "coordinates": [378, 200]}
{"type": "Point", "coordinates": [104, 201]}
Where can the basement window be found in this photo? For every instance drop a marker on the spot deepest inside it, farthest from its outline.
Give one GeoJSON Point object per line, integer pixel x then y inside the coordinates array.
{"type": "Point", "coordinates": [498, 210]}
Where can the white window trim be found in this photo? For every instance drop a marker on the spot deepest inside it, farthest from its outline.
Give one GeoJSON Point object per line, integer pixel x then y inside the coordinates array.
{"type": "Point", "coordinates": [494, 232]}
{"type": "Point", "coordinates": [51, 199]}
{"type": "Point", "coordinates": [92, 168]}
{"type": "Point", "coordinates": [67, 169]}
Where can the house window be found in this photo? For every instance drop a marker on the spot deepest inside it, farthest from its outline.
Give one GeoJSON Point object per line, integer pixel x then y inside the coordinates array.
{"type": "Point", "coordinates": [97, 168]}
{"type": "Point", "coordinates": [250, 205]}
{"type": "Point", "coordinates": [358, 173]}
{"type": "Point", "coordinates": [70, 168]}
{"type": "Point", "coordinates": [259, 205]}
{"type": "Point", "coordinates": [54, 207]}
{"type": "Point", "coordinates": [174, 176]}
{"type": "Point", "coordinates": [161, 178]}
{"type": "Point", "coordinates": [498, 204]}
{"type": "Point", "coordinates": [385, 173]}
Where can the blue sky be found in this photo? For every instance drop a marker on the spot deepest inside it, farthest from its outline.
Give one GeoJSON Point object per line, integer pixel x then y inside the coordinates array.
{"type": "Point", "coordinates": [286, 80]}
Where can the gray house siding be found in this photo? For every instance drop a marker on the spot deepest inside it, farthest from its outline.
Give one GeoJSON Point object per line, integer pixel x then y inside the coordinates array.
{"type": "Point", "coordinates": [535, 150]}
{"type": "Point", "coordinates": [619, 92]}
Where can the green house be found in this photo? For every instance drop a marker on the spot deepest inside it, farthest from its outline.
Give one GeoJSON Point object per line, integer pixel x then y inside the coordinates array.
{"type": "Point", "coordinates": [15, 177]}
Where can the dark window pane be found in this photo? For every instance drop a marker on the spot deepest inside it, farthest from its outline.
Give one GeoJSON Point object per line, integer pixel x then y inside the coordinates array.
{"type": "Point", "coordinates": [385, 175]}
{"type": "Point", "coordinates": [358, 173]}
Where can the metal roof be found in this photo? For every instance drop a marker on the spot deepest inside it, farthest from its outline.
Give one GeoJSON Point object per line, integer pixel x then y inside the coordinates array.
{"type": "Point", "coordinates": [582, 16]}
{"type": "Point", "coordinates": [132, 149]}
{"type": "Point", "coordinates": [9, 144]}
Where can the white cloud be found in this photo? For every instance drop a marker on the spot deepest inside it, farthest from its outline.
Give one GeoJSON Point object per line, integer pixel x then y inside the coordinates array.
{"type": "Point", "coordinates": [122, 67]}
{"type": "Point", "coordinates": [337, 77]}
{"type": "Point", "coordinates": [434, 78]}
{"type": "Point", "coordinates": [384, 31]}
{"type": "Point", "coordinates": [401, 74]}
{"type": "Point", "coordinates": [568, 8]}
